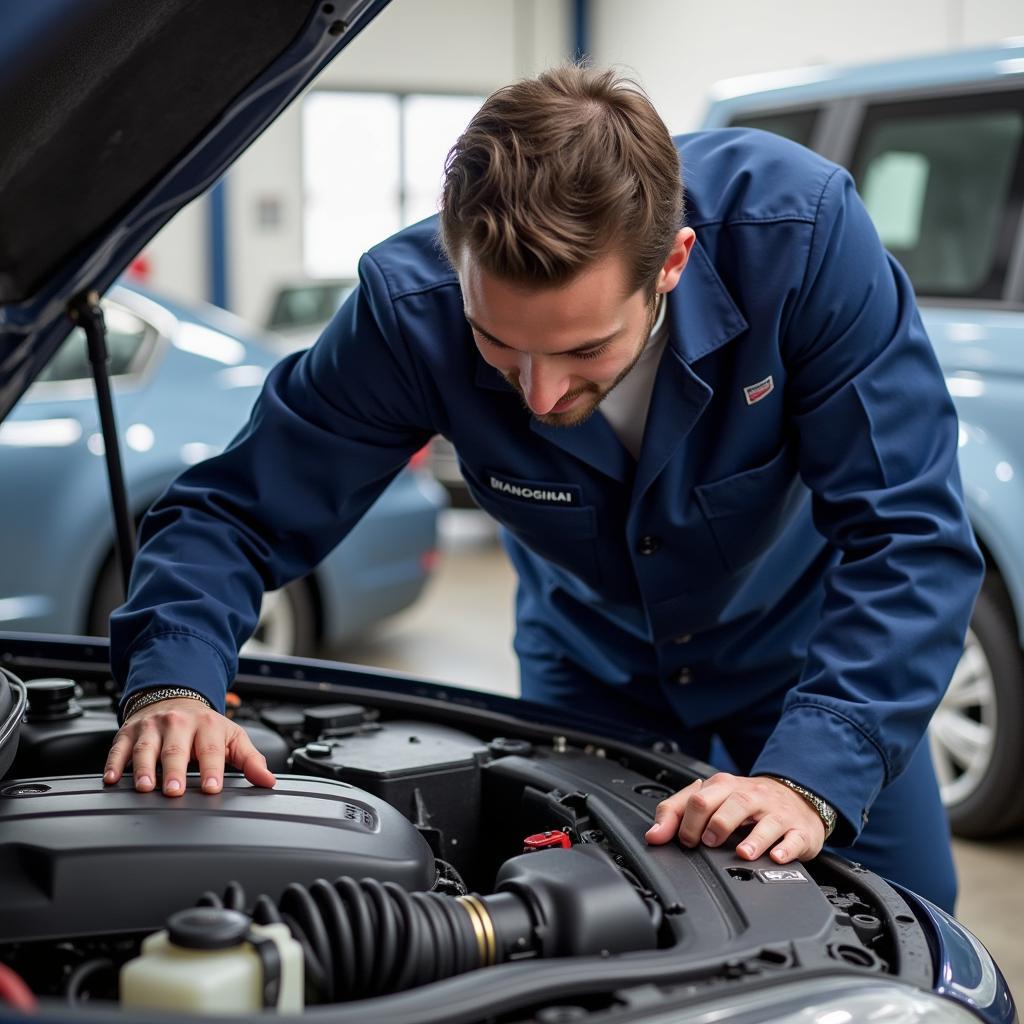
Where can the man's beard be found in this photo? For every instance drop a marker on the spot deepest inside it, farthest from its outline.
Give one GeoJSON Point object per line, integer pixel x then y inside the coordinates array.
{"type": "Point", "coordinates": [574, 417]}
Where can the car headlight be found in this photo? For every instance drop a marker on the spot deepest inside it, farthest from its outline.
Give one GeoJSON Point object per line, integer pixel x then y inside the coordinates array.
{"type": "Point", "coordinates": [825, 1001]}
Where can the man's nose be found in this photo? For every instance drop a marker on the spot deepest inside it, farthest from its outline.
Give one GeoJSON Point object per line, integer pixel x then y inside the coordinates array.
{"type": "Point", "coordinates": [543, 384]}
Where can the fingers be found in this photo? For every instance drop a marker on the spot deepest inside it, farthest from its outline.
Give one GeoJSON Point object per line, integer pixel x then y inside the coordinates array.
{"type": "Point", "coordinates": [117, 759]}
{"type": "Point", "coordinates": [179, 729]}
{"type": "Point", "coordinates": [243, 755]}
{"type": "Point", "coordinates": [737, 808]}
{"type": "Point", "coordinates": [711, 811]}
{"type": "Point", "coordinates": [168, 732]}
{"type": "Point", "coordinates": [702, 806]}
{"type": "Point", "coordinates": [144, 754]}
{"type": "Point", "coordinates": [796, 843]}
{"type": "Point", "coordinates": [209, 748]}
{"type": "Point", "coordinates": [669, 813]}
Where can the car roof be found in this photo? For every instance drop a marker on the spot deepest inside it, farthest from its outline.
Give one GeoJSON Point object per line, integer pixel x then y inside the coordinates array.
{"type": "Point", "coordinates": [808, 85]}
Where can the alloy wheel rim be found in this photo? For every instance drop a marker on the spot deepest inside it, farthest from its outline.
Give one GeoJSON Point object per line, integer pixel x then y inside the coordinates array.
{"type": "Point", "coordinates": [276, 629]}
{"type": "Point", "coordinates": [963, 729]}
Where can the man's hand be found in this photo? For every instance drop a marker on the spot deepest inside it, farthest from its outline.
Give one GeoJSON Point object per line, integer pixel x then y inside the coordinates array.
{"type": "Point", "coordinates": [175, 731]}
{"type": "Point", "coordinates": [711, 811]}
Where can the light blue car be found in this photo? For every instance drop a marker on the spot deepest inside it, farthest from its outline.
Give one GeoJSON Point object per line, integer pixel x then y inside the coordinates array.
{"type": "Point", "coordinates": [183, 383]}
{"type": "Point", "coordinates": [936, 146]}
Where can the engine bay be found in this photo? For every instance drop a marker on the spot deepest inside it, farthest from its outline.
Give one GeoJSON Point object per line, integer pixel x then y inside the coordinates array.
{"type": "Point", "coordinates": [418, 839]}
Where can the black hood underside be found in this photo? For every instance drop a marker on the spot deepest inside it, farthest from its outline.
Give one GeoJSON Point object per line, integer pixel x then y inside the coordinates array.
{"type": "Point", "coordinates": [82, 98]}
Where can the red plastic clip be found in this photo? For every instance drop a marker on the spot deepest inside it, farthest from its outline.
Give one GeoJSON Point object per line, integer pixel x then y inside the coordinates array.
{"type": "Point", "coordinates": [553, 839]}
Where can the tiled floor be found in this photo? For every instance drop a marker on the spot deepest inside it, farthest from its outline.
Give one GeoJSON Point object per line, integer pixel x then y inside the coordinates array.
{"type": "Point", "coordinates": [460, 632]}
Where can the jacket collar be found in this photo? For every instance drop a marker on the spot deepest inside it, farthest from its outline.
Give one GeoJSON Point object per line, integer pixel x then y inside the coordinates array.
{"type": "Point", "coordinates": [702, 317]}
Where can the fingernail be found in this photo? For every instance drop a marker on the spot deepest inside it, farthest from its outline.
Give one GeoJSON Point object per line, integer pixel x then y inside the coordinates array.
{"type": "Point", "coordinates": [210, 785]}
{"type": "Point", "coordinates": [172, 786]}
{"type": "Point", "coordinates": [746, 849]}
{"type": "Point", "coordinates": [709, 838]}
{"type": "Point", "coordinates": [108, 776]}
{"type": "Point", "coordinates": [144, 780]}
{"type": "Point", "coordinates": [779, 853]}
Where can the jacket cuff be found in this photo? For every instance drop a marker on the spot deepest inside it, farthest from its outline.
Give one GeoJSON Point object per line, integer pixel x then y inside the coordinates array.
{"type": "Point", "coordinates": [177, 659]}
{"type": "Point", "coordinates": [829, 754]}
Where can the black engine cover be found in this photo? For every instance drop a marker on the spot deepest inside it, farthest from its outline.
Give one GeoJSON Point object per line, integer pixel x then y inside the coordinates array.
{"type": "Point", "coordinates": [79, 858]}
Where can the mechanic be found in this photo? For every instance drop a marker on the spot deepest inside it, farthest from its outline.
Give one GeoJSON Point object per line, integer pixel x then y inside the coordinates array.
{"type": "Point", "coordinates": [720, 444]}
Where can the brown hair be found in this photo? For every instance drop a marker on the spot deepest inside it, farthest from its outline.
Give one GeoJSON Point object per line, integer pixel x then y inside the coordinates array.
{"type": "Point", "coordinates": [557, 170]}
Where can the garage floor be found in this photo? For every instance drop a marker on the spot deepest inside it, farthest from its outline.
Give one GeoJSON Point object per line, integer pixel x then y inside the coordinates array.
{"type": "Point", "coordinates": [460, 633]}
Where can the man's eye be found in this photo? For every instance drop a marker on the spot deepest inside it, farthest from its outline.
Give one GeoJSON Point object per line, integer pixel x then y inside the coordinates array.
{"type": "Point", "coordinates": [486, 340]}
{"type": "Point", "coordinates": [591, 353]}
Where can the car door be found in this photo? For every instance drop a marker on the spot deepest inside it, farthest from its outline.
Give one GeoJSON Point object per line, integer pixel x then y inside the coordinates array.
{"type": "Point", "coordinates": [941, 172]}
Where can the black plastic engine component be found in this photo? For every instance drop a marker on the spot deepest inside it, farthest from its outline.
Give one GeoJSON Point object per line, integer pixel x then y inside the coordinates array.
{"type": "Point", "coordinates": [429, 772]}
{"type": "Point", "coordinates": [78, 858]}
{"type": "Point", "coordinates": [363, 938]}
{"type": "Point", "coordinates": [582, 904]}
{"type": "Point", "coordinates": [12, 708]}
{"type": "Point", "coordinates": [322, 717]}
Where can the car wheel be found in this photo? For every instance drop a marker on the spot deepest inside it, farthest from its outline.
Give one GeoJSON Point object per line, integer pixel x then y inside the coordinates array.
{"type": "Point", "coordinates": [287, 623]}
{"type": "Point", "coordinates": [977, 732]}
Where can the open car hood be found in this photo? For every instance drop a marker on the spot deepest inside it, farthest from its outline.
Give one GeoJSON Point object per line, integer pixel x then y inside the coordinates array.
{"type": "Point", "coordinates": [117, 114]}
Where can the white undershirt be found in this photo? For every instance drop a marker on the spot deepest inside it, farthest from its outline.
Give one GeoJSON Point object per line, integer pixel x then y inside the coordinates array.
{"type": "Point", "coordinates": [626, 405]}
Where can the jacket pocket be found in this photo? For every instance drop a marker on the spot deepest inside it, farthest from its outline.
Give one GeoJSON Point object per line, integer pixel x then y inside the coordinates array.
{"type": "Point", "coordinates": [747, 511]}
{"type": "Point", "coordinates": [566, 536]}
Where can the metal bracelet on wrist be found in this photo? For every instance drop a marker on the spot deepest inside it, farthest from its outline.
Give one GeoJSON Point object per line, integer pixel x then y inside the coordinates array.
{"type": "Point", "coordinates": [825, 810]}
{"type": "Point", "coordinates": [147, 697]}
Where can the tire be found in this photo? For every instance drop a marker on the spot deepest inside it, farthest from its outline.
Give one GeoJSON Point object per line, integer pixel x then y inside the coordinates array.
{"type": "Point", "coordinates": [288, 619]}
{"type": "Point", "coordinates": [287, 623]}
{"type": "Point", "coordinates": [977, 733]}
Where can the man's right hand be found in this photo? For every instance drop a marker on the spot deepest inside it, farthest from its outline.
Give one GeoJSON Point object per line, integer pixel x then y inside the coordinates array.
{"type": "Point", "coordinates": [174, 732]}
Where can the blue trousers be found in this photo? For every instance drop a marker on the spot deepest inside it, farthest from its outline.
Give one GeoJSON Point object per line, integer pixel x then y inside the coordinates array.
{"type": "Point", "coordinates": [906, 839]}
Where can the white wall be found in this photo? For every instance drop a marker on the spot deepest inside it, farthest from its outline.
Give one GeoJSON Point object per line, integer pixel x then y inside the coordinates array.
{"type": "Point", "coordinates": [178, 254]}
{"type": "Point", "coordinates": [469, 46]}
{"type": "Point", "coordinates": [679, 48]}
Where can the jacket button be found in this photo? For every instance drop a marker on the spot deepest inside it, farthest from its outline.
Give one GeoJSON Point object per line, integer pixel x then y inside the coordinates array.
{"type": "Point", "coordinates": [684, 676]}
{"type": "Point", "coordinates": [684, 639]}
{"type": "Point", "coordinates": [648, 545]}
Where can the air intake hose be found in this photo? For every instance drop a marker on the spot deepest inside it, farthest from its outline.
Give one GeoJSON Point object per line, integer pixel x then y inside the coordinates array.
{"type": "Point", "coordinates": [365, 938]}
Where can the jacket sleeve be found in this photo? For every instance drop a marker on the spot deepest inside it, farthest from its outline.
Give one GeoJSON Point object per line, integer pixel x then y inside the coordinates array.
{"type": "Point", "coordinates": [330, 429]}
{"type": "Point", "coordinates": [877, 436]}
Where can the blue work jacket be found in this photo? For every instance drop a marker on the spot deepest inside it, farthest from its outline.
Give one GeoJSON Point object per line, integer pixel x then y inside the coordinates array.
{"type": "Point", "coordinates": [794, 519]}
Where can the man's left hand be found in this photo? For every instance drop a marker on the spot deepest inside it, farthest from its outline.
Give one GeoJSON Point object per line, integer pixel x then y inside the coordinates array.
{"type": "Point", "coordinates": [710, 811]}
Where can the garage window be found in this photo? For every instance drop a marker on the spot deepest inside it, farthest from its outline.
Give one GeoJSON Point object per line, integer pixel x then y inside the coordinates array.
{"type": "Point", "coordinates": [372, 163]}
{"type": "Point", "coordinates": [943, 180]}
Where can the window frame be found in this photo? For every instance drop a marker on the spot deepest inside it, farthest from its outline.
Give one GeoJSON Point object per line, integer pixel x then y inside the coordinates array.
{"type": "Point", "coordinates": [402, 96]}
{"type": "Point", "coordinates": [140, 369]}
{"type": "Point", "coordinates": [840, 128]}
{"type": "Point", "coordinates": [1004, 276]}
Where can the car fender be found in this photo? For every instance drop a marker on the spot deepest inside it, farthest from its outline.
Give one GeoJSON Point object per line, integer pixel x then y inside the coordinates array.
{"type": "Point", "coordinates": [994, 495]}
{"type": "Point", "coordinates": [96, 538]}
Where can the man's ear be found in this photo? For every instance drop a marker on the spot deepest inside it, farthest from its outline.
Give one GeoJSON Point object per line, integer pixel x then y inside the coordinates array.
{"type": "Point", "coordinates": [675, 262]}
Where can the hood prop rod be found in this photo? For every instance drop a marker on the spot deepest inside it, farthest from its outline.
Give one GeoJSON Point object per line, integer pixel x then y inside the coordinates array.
{"type": "Point", "coordinates": [86, 311]}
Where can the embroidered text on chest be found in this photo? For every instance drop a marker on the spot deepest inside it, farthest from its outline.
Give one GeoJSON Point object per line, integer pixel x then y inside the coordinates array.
{"type": "Point", "coordinates": [544, 495]}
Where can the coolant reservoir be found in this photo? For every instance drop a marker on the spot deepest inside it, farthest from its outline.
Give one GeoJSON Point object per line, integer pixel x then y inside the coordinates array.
{"type": "Point", "coordinates": [215, 961]}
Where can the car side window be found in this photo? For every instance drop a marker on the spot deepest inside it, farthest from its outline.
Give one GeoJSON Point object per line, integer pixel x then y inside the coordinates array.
{"type": "Point", "coordinates": [797, 125]}
{"type": "Point", "coordinates": [308, 305]}
{"type": "Point", "coordinates": [129, 340]}
{"type": "Point", "coordinates": [943, 180]}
